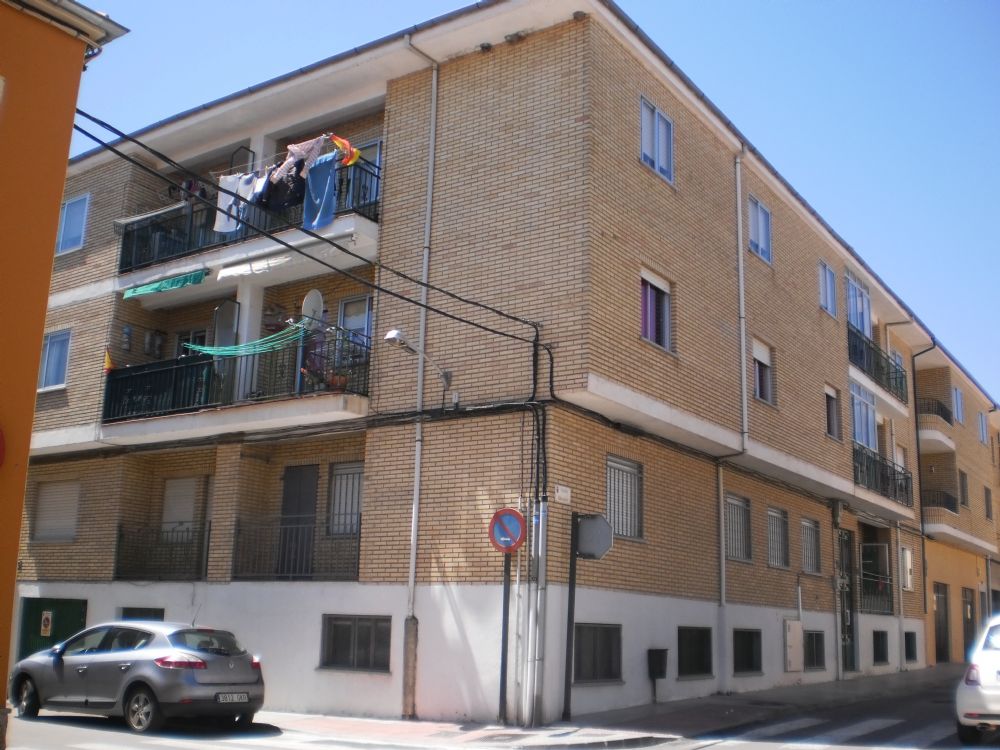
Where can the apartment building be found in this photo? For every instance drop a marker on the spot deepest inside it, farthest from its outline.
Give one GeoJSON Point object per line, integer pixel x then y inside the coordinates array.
{"type": "Point", "coordinates": [667, 335]}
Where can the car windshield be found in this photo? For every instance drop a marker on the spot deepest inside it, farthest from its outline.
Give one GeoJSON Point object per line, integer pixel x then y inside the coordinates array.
{"type": "Point", "coordinates": [992, 640]}
{"type": "Point", "coordinates": [207, 641]}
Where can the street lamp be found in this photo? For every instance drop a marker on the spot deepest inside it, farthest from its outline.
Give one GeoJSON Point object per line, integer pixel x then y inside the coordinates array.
{"type": "Point", "coordinates": [397, 338]}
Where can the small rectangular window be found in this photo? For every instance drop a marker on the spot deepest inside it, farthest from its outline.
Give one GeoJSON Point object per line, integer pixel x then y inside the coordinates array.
{"type": "Point", "coordinates": [777, 538]}
{"type": "Point", "coordinates": [906, 567]}
{"type": "Point", "coordinates": [356, 642]}
{"type": "Point", "coordinates": [55, 360]}
{"type": "Point", "coordinates": [56, 512]}
{"type": "Point", "coordinates": [72, 222]}
{"type": "Point", "coordinates": [963, 488]}
{"type": "Point", "coordinates": [984, 433]}
{"type": "Point", "coordinates": [832, 412]}
{"type": "Point", "coordinates": [694, 652]}
{"type": "Point", "coordinates": [143, 613]}
{"type": "Point", "coordinates": [810, 546]}
{"type": "Point", "coordinates": [880, 647]}
{"type": "Point", "coordinates": [815, 649]}
{"type": "Point", "coordinates": [827, 289]}
{"type": "Point", "coordinates": [597, 652]}
{"type": "Point", "coordinates": [763, 387]}
{"type": "Point", "coordinates": [958, 405]}
{"type": "Point", "coordinates": [738, 529]}
{"type": "Point", "coordinates": [624, 497]}
{"type": "Point", "coordinates": [746, 651]}
{"type": "Point", "coordinates": [988, 502]}
{"type": "Point", "coordinates": [656, 313]}
{"type": "Point", "coordinates": [346, 482]}
{"type": "Point", "coordinates": [910, 645]}
{"type": "Point", "coordinates": [657, 139]}
{"type": "Point", "coordinates": [760, 229]}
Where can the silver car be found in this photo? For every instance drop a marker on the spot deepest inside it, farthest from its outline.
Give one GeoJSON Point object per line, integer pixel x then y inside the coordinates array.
{"type": "Point", "coordinates": [145, 671]}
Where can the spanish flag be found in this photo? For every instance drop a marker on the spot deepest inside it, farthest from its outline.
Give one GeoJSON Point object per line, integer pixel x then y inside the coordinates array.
{"type": "Point", "coordinates": [108, 364]}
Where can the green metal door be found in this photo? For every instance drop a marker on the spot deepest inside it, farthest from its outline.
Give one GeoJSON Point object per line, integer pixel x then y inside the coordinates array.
{"type": "Point", "coordinates": [62, 618]}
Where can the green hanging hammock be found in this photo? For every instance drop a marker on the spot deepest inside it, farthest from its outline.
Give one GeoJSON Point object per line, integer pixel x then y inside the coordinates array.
{"type": "Point", "coordinates": [296, 332]}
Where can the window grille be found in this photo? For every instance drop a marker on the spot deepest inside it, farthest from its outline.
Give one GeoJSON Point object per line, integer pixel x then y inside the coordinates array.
{"type": "Point", "coordinates": [624, 497]}
{"type": "Point", "coordinates": [777, 538]}
{"type": "Point", "coordinates": [810, 546]}
{"type": "Point", "coordinates": [738, 529]}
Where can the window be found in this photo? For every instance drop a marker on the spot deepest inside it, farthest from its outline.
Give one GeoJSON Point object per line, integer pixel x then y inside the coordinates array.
{"type": "Point", "coordinates": [963, 488]}
{"type": "Point", "coordinates": [832, 412]}
{"type": "Point", "coordinates": [910, 645]}
{"type": "Point", "coordinates": [143, 613]}
{"type": "Point", "coordinates": [777, 538]}
{"type": "Point", "coordinates": [694, 652]}
{"type": "Point", "coordinates": [760, 229]}
{"type": "Point", "coordinates": [827, 289]}
{"type": "Point", "coordinates": [863, 407]}
{"type": "Point", "coordinates": [624, 497]}
{"type": "Point", "coordinates": [55, 358]}
{"type": "Point", "coordinates": [746, 651]}
{"type": "Point", "coordinates": [88, 642]}
{"type": "Point", "coordinates": [355, 642]}
{"type": "Point", "coordinates": [55, 516]}
{"type": "Point", "coordinates": [958, 404]}
{"type": "Point", "coordinates": [72, 220]}
{"type": "Point", "coordinates": [656, 312]}
{"type": "Point", "coordinates": [906, 567]}
{"type": "Point", "coordinates": [657, 141]}
{"type": "Point", "coordinates": [810, 546]}
{"type": "Point", "coordinates": [597, 652]}
{"type": "Point", "coordinates": [738, 529]}
{"type": "Point", "coordinates": [196, 337]}
{"type": "Point", "coordinates": [346, 482]}
{"type": "Point", "coordinates": [988, 502]}
{"type": "Point", "coordinates": [763, 377]}
{"type": "Point", "coordinates": [880, 646]}
{"type": "Point", "coordinates": [815, 650]}
{"type": "Point", "coordinates": [859, 306]}
{"type": "Point", "coordinates": [984, 434]}
{"type": "Point", "coordinates": [179, 497]}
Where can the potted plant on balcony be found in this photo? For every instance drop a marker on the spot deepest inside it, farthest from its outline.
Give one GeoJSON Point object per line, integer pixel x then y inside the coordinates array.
{"type": "Point", "coordinates": [337, 381]}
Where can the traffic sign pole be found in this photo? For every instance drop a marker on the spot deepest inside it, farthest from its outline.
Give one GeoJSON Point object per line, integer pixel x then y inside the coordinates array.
{"type": "Point", "coordinates": [505, 624]}
{"type": "Point", "coordinates": [574, 544]}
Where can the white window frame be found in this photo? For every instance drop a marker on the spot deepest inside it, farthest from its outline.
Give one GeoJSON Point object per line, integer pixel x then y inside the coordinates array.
{"type": "Point", "coordinates": [833, 418]}
{"type": "Point", "coordinates": [984, 433]}
{"type": "Point", "coordinates": [763, 372]}
{"type": "Point", "coordinates": [958, 404]}
{"type": "Point", "coordinates": [859, 305]}
{"type": "Point", "coordinates": [656, 140]}
{"type": "Point", "coordinates": [623, 496]}
{"type": "Point", "coordinates": [62, 249]}
{"type": "Point", "coordinates": [665, 288]}
{"type": "Point", "coordinates": [827, 288]}
{"type": "Point", "coordinates": [777, 538]}
{"type": "Point", "coordinates": [906, 567]}
{"type": "Point", "coordinates": [45, 383]}
{"type": "Point", "coordinates": [56, 512]}
{"type": "Point", "coordinates": [865, 423]}
{"type": "Point", "coordinates": [739, 536]}
{"type": "Point", "coordinates": [811, 558]}
{"type": "Point", "coordinates": [760, 238]}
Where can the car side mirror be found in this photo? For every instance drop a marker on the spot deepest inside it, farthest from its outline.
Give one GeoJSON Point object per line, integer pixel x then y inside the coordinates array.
{"type": "Point", "coordinates": [57, 651]}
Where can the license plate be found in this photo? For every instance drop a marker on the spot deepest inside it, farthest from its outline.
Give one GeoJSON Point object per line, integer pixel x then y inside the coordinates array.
{"type": "Point", "coordinates": [232, 698]}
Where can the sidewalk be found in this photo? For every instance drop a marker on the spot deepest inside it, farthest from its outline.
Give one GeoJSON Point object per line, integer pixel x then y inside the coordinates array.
{"type": "Point", "coordinates": [640, 726]}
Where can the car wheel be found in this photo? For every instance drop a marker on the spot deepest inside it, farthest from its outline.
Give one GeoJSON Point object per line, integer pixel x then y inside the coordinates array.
{"type": "Point", "coordinates": [27, 699]}
{"type": "Point", "coordinates": [142, 712]}
{"type": "Point", "coordinates": [969, 735]}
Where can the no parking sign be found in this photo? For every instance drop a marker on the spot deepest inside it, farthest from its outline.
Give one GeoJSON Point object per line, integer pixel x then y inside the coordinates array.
{"type": "Point", "coordinates": [507, 530]}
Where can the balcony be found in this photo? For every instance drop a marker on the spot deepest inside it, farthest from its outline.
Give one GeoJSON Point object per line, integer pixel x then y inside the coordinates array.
{"type": "Point", "coordinates": [333, 362]}
{"type": "Point", "coordinates": [876, 593]}
{"type": "Point", "coordinates": [939, 499]}
{"type": "Point", "coordinates": [187, 228]}
{"type": "Point", "coordinates": [876, 364]}
{"type": "Point", "coordinates": [934, 407]}
{"type": "Point", "coordinates": [297, 548]}
{"type": "Point", "coordinates": [881, 475]}
{"type": "Point", "coordinates": [160, 553]}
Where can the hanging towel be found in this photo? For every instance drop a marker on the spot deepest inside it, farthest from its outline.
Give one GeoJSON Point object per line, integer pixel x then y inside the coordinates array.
{"type": "Point", "coordinates": [321, 193]}
{"type": "Point", "coordinates": [227, 219]}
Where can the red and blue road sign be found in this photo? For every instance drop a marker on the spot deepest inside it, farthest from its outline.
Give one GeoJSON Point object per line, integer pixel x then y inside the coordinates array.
{"type": "Point", "coordinates": [507, 530]}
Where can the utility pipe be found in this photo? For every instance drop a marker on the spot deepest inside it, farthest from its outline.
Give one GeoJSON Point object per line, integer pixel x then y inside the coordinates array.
{"type": "Point", "coordinates": [741, 284]}
{"type": "Point", "coordinates": [920, 473]}
{"type": "Point", "coordinates": [899, 590]}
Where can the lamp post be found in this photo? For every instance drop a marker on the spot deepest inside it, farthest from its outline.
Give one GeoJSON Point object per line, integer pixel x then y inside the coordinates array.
{"type": "Point", "coordinates": [397, 338]}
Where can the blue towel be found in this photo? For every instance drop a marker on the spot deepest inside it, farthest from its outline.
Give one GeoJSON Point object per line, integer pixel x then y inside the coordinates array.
{"type": "Point", "coordinates": [321, 193]}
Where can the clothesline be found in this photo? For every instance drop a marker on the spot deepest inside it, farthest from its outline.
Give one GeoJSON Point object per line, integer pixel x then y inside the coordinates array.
{"type": "Point", "coordinates": [265, 162]}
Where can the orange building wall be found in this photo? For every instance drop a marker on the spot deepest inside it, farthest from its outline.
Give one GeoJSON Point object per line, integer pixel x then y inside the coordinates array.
{"type": "Point", "coordinates": [40, 67]}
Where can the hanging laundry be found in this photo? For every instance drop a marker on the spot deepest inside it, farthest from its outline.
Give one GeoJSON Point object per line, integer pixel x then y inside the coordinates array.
{"type": "Point", "coordinates": [288, 190]}
{"type": "Point", "coordinates": [307, 152]}
{"type": "Point", "coordinates": [227, 219]}
{"type": "Point", "coordinates": [321, 193]}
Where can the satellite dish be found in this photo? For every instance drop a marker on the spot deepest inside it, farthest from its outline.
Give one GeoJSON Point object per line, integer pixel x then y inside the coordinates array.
{"type": "Point", "coordinates": [312, 308]}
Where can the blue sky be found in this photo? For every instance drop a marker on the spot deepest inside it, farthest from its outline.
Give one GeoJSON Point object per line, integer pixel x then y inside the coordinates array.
{"type": "Point", "coordinates": [884, 115]}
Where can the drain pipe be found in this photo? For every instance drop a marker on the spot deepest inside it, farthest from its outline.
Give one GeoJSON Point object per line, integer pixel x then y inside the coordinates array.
{"type": "Point", "coordinates": [410, 626]}
{"type": "Point", "coordinates": [899, 592]}
{"type": "Point", "coordinates": [920, 477]}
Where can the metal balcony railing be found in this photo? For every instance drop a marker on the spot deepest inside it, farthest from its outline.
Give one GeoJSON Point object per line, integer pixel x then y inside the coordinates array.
{"type": "Point", "coordinates": [865, 354]}
{"type": "Point", "coordinates": [188, 228]}
{"type": "Point", "coordinates": [334, 361]}
{"type": "Point", "coordinates": [877, 473]}
{"type": "Point", "coordinates": [939, 499]}
{"type": "Point", "coordinates": [876, 593]}
{"type": "Point", "coordinates": [297, 548]}
{"type": "Point", "coordinates": [161, 552]}
{"type": "Point", "coordinates": [933, 406]}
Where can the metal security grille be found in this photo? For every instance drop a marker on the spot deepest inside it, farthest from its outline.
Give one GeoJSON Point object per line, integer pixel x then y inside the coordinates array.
{"type": "Point", "coordinates": [777, 538]}
{"type": "Point", "coordinates": [624, 497]}
{"type": "Point", "coordinates": [738, 529]}
{"type": "Point", "coordinates": [346, 481]}
{"type": "Point", "coordinates": [810, 546]}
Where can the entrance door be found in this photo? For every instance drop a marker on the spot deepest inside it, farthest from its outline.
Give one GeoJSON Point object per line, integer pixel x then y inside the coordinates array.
{"type": "Point", "coordinates": [968, 621]}
{"type": "Point", "coordinates": [848, 629]}
{"type": "Point", "coordinates": [298, 521]}
{"type": "Point", "coordinates": [941, 636]}
{"type": "Point", "coordinates": [66, 617]}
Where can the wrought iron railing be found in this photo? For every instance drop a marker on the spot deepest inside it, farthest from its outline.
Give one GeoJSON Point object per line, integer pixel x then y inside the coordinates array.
{"type": "Point", "coordinates": [334, 361]}
{"type": "Point", "coordinates": [878, 473]}
{"type": "Point", "coordinates": [297, 548]}
{"type": "Point", "coordinates": [865, 354]}
{"type": "Point", "coordinates": [939, 499]}
{"type": "Point", "coordinates": [933, 406]}
{"type": "Point", "coordinates": [876, 593]}
{"type": "Point", "coordinates": [188, 229]}
{"type": "Point", "coordinates": [161, 552]}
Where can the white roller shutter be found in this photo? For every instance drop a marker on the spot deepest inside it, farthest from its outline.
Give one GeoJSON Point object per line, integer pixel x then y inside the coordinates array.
{"type": "Point", "coordinates": [55, 517]}
{"type": "Point", "coordinates": [178, 504]}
